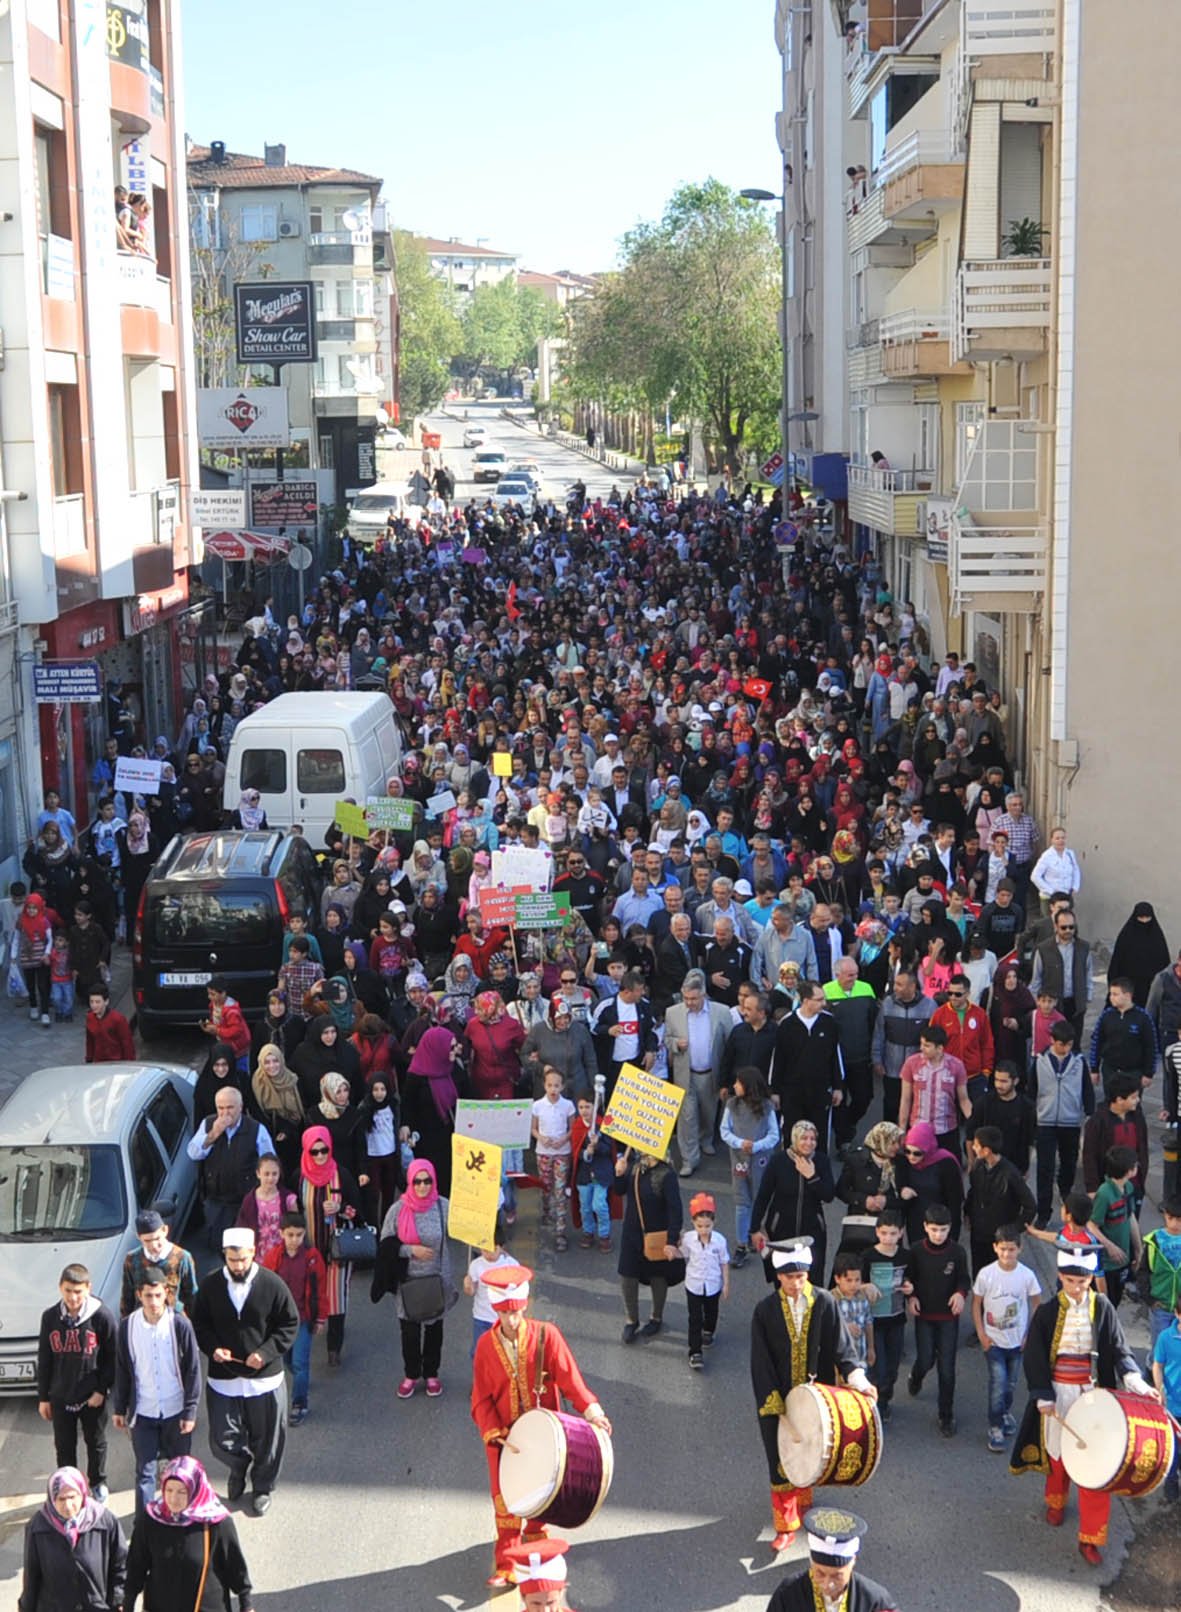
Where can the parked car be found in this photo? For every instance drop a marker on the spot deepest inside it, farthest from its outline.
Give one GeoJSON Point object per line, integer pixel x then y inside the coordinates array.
{"type": "Point", "coordinates": [390, 437]}
{"type": "Point", "coordinates": [475, 436]}
{"type": "Point", "coordinates": [489, 465]}
{"type": "Point", "coordinates": [82, 1150]}
{"type": "Point", "coordinates": [218, 903]}
{"type": "Point", "coordinates": [372, 509]}
{"type": "Point", "coordinates": [514, 490]}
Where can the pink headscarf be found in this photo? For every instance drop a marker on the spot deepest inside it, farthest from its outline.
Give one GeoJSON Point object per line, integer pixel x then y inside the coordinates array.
{"type": "Point", "coordinates": [320, 1172]}
{"type": "Point", "coordinates": [203, 1505]}
{"type": "Point", "coordinates": [412, 1204]}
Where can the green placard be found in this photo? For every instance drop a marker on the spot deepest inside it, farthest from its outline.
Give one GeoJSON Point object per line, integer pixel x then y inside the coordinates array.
{"type": "Point", "coordinates": [387, 811]}
{"type": "Point", "coordinates": [541, 910]}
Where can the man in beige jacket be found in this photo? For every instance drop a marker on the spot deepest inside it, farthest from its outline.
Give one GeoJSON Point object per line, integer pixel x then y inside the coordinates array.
{"type": "Point", "coordinates": [695, 1032]}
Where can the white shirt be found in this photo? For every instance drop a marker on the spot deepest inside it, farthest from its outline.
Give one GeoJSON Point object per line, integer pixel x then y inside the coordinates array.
{"type": "Point", "coordinates": [159, 1391]}
{"type": "Point", "coordinates": [482, 1298]}
{"type": "Point", "coordinates": [553, 1125]}
{"type": "Point", "coordinates": [244, 1387]}
{"type": "Point", "coordinates": [1057, 870]}
{"type": "Point", "coordinates": [625, 1048]}
{"type": "Point", "coordinates": [199, 1148]}
{"type": "Point", "coordinates": [704, 1262]}
{"type": "Point", "coordinates": [1005, 1297]}
{"type": "Point", "coordinates": [699, 1036]}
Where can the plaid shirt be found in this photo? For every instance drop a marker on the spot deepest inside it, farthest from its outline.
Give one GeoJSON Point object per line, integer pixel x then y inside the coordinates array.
{"type": "Point", "coordinates": [1023, 836]}
{"type": "Point", "coordinates": [297, 978]}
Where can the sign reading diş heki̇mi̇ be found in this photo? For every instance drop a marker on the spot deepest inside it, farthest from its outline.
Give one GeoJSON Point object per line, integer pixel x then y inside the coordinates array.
{"type": "Point", "coordinates": [508, 1123]}
{"type": "Point", "coordinates": [67, 682]}
{"type": "Point", "coordinates": [351, 819]}
{"type": "Point", "coordinates": [275, 322]}
{"type": "Point", "coordinates": [475, 1191]}
{"type": "Point", "coordinates": [643, 1111]}
{"type": "Point", "coordinates": [389, 811]}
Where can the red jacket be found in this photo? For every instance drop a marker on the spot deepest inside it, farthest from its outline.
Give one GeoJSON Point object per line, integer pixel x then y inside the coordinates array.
{"type": "Point", "coordinates": [495, 1061]}
{"type": "Point", "coordinates": [307, 1277]}
{"type": "Point", "coordinates": [108, 1040]}
{"type": "Point", "coordinates": [480, 951]}
{"type": "Point", "coordinates": [232, 1027]}
{"type": "Point", "coordinates": [969, 1040]}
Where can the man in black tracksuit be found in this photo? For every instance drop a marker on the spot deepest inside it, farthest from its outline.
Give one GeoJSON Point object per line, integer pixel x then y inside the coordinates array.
{"type": "Point", "coordinates": [76, 1372]}
{"type": "Point", "coordinates": [807, 1072]}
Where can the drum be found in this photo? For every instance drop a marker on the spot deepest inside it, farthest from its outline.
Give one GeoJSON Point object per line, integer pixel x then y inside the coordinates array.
{"type": "Point", "coordinates": [829, 1435]}
{"type": "Point", "coordinates": [555, 1468]}
{"type": "Point", "coordinates": [1127, 1446]}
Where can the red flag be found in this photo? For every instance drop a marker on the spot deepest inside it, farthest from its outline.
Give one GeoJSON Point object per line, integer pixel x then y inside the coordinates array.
{"type": "Point", "coordinates": [510, 603]}
{"type": "Point", "coordinates": [757, 687]}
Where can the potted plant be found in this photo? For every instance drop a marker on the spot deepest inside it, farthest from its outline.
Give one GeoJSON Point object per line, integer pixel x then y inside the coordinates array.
{"type": "Point", "coordinates": [1024, 238]}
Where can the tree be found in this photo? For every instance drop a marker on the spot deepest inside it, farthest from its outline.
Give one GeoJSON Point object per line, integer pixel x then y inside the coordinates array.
{"type": "Point", "coordinates": [219, 259]}
{"type": "Point", "coordinates": [430, 332]}
{"type": "Point", "coordinates": [503, 323]}
{"type": "Point", "coordinates": [538, 320]}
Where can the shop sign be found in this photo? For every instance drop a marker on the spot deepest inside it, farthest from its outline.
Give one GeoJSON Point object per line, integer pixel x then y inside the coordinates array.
{"type": "Point", "coordinates": [127, 33]}
{"type": "Point", "coordinates": [143, 613]}
{"type": "Point", "coordinates": [218, 507]}
{"type": "Point", "coordinates": [275, 322]}
{"type": "Point", "coordinates": [235, 416]}
{"type": "Point", "coordinates": [67, 682]}
{"type": "Point", "coordinates": [275, 504]}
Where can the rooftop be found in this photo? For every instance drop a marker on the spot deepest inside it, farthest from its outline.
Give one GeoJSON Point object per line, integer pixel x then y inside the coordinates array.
{"type": "Point", "coordinates": [437, 248]}
{"type": "Point", "coordinates": [238, 171]}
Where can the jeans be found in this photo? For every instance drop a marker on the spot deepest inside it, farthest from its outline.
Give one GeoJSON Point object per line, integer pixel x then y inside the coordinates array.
{"type": "Point", "coordinates": [299, 1358]}
{"type": "Point", "coordinates": [154, 1440]}
{"type": "Point", "coordinates": [1004, 1368]}
{"type": "Point", "coordinates": [889, 1335]}
{"type": "Point", "coordinates": [1056, 1144]}
{"type": "Point", "coordinates": [703, 1317]}
{"type": "Point", "coordinates": [478, 1330]}
{"type": "Point", "coordinates": [935, 1345]}
{"type": "Point", "coordinates": [61, 994]}
{"type": "Point", "coordinates": [595, 1209]}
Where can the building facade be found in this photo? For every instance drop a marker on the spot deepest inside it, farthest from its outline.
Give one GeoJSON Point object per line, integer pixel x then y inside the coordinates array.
{"type": "Point", "coordinates": [467, 268]}
{"type": "Point", "coordinates": [264, 218]}
{"type": "Point", "coordinates": [97, 447]}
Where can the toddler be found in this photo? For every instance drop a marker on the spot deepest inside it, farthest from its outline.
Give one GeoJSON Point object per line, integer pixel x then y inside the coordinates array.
{"type": "Point", "coordinates": [61, 979]}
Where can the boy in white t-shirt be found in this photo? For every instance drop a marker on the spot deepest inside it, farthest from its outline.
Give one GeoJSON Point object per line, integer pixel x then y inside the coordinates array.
{"type": "Point", "coordinates": [483, 1315]}
{"type": "Point", "coordinates": [1004, 1296]}
{"type": "Point", "coordinates": [707, 1275]}
{"type": "Point", "coordinates": [553, 1115]}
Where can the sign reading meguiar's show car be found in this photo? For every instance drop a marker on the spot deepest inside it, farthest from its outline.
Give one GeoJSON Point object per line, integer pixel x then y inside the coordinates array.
{"type": "Point", "coordinates": [243, 416]}
{"type": "Point", "coordinates": [276, 323]}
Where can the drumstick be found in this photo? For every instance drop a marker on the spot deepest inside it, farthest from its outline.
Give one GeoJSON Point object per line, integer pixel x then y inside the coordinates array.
{"type": "Point", "coordinates": [511, 1448]}
{"type": "Point", "coordinates": [1078, 1438]}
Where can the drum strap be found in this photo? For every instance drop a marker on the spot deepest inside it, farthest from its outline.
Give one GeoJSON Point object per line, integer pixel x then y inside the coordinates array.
{"type": "Point", "coordinates": [539, 1374]}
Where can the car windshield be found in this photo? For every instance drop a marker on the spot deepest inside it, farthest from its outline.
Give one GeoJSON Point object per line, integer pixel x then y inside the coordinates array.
{"type": "Point", "coordinates": [514, 489]}
{"type": "Point", "coordinates": [61, 1190]}
{"type": "Point", "coordinates": [368, 504]}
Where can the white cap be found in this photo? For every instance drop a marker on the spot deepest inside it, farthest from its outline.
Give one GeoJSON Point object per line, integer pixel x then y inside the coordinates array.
{"type": "Point", "coordinates": [1080, 1258]}
{"type": "Point", "coordinates": [795, 1256]}
{"type": "Point", "coordinates": [826, 1545]}
{"type": "Point", "coordinates": [237, 1237]}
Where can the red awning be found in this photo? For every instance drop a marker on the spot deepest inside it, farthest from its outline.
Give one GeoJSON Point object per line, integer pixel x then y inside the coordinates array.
{"type": "Point", "coordinates": [245, 545]}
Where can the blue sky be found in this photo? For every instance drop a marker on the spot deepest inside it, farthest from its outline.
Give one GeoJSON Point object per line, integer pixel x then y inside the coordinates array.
{"type": "Point", "coordinates": [546, 126]}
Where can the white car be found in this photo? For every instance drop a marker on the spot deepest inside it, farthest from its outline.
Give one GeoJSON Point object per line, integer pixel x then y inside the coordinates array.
{"type": "Point", "coordinates": [475, 436]}
{"type": "Point", "coordinates": [489, 464]}
{"type": "Point", "coordinates": [391, 437]}
{"type": "Point", "coordinates": [529, 470]}
{"type": "Point", "coordinates": [514, 490]}
{"type": "Point", "coordinates": [82, 1150]}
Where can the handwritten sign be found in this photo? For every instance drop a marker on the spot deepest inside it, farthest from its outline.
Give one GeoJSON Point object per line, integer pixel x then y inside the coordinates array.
{"type": "Point", "coordinates": [475, 1191]}
{"type": "Point", "coordinates": [506, 1123]}
{"type": "Point", "coordinates": [521, 867]}
{"type": "Point", "coordinates": [502, 764]}
{"type": "Point", "coordinates": [352, 820]}
{"type": "Point", "coordinates": [473, 556]}
{"type": "Point", "coordinates": [643, 1111]}
{"type": "Point", "coordinates": [438, 804]}
{"type": "Point", "coordinates": [389, 811]}
{"type": "Point", "coordinates": [541, 910]}
{"type": "Point", "coordinates": [139, 774]}
{"type": "Point", "coordinates": [498, 906]}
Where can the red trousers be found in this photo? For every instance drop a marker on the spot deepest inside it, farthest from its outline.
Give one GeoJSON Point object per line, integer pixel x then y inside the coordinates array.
{"type": "Point", "coordinates": [510, 1530]}
{"type": "Point", "coordinates": [788, 1506]}
{"type": "Point", "coordinates": [1094, 1505]}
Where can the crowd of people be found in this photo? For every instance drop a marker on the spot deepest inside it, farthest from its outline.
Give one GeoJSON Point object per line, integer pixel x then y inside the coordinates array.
{"type": "Point", "coordinates": [803, 886]}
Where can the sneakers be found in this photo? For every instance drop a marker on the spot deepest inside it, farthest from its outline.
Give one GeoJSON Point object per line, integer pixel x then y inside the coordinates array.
{"type": "Point", "coordinates": [298, 1416]}
{"type": "Point", "coordinates": [996, 1440]}
{"type": "Point", "coordinates": [586, 1241]}
{"type": "Point", "coordinates": [433, 1388]}
{"type": "Point", "coordinates": [741, 1254]}
{"type": "Point", "coordinates": [780, 1542]}
{"type": "Point", "coordinates": [32, 1015]}
{"type": "Point", "coordinates": [261, 1504]}
{"type": "Point", "coordinates": [651, 1328]}
{"type": "Point", "coordinates": [334, 1358]}
{"type": "Point", "coordinates": [914, 1384]}
{"type": "Point", "coordinates": [406, 1387]}
{"type": "Point", "coordinates": [604, 1245]}
{"type": "Point", "coordinates": [631, 1332]}
{"type": "Point", "coordinates": [884, 1410]}
{"type": "Point", "coordinates": [685, 1170]}
{"type": "Point", "coordinates": [101, 1493]}
{"type": "Point", "coordinates": [45, 1020]}
{"type": "Point", "coordinates": [707, 1339]}
{"type": "Point", "coordinates": [697, 1362]}
{"type": "Point", "coordinates": [947, 1426]}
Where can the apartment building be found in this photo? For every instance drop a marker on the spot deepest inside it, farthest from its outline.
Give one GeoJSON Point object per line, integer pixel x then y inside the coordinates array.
{"type": "Point", "coordinates": [561, 289]}
{"type": "Point", "coordinates": [466, 268]}
{"type": "Point", "coordinates": [264, 217]}
{"type": "Point", "coordinates": [96, 392]}
{"type": "Point", "coordinates": [1009, 253]}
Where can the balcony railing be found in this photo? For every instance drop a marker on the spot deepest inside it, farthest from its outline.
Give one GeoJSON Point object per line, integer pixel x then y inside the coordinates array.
{"type": "Point", "coordinates": [69, 526]}
{"type": "Point", "coordinates": [863, 335]}
{"type": "Point", "coordinates": [916, 342]}
{"type": "Point", "coordinates": [1000, 568]}
{"type": "Point", "coordinates": [1009, 27]}
{"type": "Point", "coordinates": [914, 325]}
{"type": "Point", "coordinates": [925, 147]}
{"type": "Point", "coordinates": [341, 237]}
{"type": "Point", "coordinates": [1004, 295]}
{"type": "Point", "coordinates": [888, 500]}
{"type": "Point", "coordinates": [865, 368]}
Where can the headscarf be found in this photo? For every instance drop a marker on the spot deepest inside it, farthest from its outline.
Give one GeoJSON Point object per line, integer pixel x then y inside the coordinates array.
{"type": "Point", "coordinates": [333, 1107]}
{"type": "Point", "coordinates": [277, 1094]}
{"type": "Point", "coordinates": [68, 1477]}
{"type": "Point", "coordinates": [489, 1005]}
{"type": "Point", "coordinates": [412, 1205]}
{"type": "Point", "coordinates": [204, 1507]}
{"type": "Point", "coordinates": [922, 1135]}
{"type": "Point", "coordinates": [340, 1000]}
{"type": "Point", "coordinates": [432, 1060]}
{"type": "Point", "coordinates": [878, 1138]}
{"type": "Point", "coordinates": [138, 832]}
{"type": "Point", "coordinates": [35, 925]}
{"type": "Point", "coordinates": [250, 809]}
{"type": "Point", "coordinates": [320, 1172]}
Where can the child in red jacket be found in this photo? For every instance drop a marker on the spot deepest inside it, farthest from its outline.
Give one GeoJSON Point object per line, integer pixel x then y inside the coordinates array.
{"type": "Point", "coordinates": [108, 1034]}
{"type": "Point", "coordinates": [302, 1267]}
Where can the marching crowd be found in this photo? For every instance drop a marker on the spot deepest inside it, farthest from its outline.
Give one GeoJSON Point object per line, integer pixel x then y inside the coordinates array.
{"type": "Point", "coordinates": [803, 886]}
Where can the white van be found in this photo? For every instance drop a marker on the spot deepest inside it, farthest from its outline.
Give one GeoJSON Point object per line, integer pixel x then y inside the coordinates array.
{"type": "Point", "coordinates": [371, 508]}
{"type": "Point", "coordinates": [305, 752]}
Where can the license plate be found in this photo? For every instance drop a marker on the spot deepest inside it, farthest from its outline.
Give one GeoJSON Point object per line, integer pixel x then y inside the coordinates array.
{"type": "Point", "coordinates": [21, 1369]}
{"type": "Point", "coordinates": [185, 979]}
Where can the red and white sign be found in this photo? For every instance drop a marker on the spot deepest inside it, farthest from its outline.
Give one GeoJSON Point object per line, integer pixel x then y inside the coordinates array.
{"type": "Point", "coordinates": [243, 545]}
{"type": "Point", "coordinates": [774, 463]}
{"type": "Point", "coordinates": [230, 416]}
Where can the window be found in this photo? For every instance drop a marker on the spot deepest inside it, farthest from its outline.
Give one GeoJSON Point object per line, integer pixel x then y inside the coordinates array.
{"type": "Point", "coordinates": [318, 288]}
{"type": "Point", "coordinates": [160, 233]}
{"type": "Point", "coordinates": [344, 299]}
{"type": "Point", "coordinates": [53, 212]}
{"type": "Point", "coordinates": [206, 222]}
{"type": "Point", "coordinates": [61, 1187]}
{"type": "Point", "coordinates": [969, 417]}
{"type": "Point", "coordinates": [265, 770]}
{"type": "Point", "coordinates": [340, 218]}
{"type": "Point", "coordinates": [167, 1114]}
{"type": "Point", "coordinates": [65, 437]}
{"type": "Point", "coordinates": [147, 1167]}
{"type": "Point", "coordinates": [316, 220]}
{"type": "Point", "coordinates": [789, 264]}
{"type": "Point", "coordinates": [259, 224]}
{"type": "Point", "coordinates": [327, 444]}
{"type": "Point", "coordinates": [215, 916]}
{"type": "Point", "coordinates": [345, 377]}
{"type": "Point", "coordinates": [320, 772]}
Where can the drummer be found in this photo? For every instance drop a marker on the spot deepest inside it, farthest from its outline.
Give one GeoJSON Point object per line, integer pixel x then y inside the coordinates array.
{"type": "Point", "coordinates": [508, 1380]}
{"type": "Point", "coordinates": [1077, 1327]}
{"type": "Point", "coordinates": [539, 1571]}
{"type": "Point", "coordinates": [832, 1582]}
{"type": "Point", "coordinates": [796, 1335]}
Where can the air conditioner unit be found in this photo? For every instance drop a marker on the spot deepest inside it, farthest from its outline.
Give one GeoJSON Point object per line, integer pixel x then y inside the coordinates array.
{"type": "Point", "coordinates": [288, 228]}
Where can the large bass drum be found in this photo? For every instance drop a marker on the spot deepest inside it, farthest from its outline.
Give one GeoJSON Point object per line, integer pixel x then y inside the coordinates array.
{"type": "Point", "coordinates": [829, 1435]}
{"type": "Point", "coordinates": [1127, 1442]}
{"type": "Point", "coordinates": [555, 1468]}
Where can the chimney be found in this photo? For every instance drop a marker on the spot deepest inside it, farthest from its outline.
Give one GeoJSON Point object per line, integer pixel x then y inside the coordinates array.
{"type": "Point", "coordinates": [217, 152]}
{"type": "Point", "coordinates": [275, 156]}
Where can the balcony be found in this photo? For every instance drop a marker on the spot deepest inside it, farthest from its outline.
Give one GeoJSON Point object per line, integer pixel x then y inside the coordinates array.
{"type": "Point", "coordinates": [917, 342]}
{"type": "Point", "coordinates": [1002, 308]}
{"type": "Point", "coordinates": [357, 331]}
{"type": "Point", "coordinates": [869, 225]}
{"type": "Point", "coordinates": [921, 177]}
{"type": "Point", "coordinates": [865, 367]}
{"type": "Point", "coordinates": [141, 287]}
{"type": "Point", "coordinates": [888, 500]}
{"type": "Point", "coordinates": [868, 49]}
{"type": "Point", "coordinates": [994, 566]}
{"type": "Point", "coordinates": [69, 526]}
{"type": "Point", "coordinates": [341, 246]}
{"type": "Point", "coordinates": [1010, 27]}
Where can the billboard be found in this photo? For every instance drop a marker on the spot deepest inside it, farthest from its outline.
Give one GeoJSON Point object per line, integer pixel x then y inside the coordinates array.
{"type": "Point", "coordinates": [237, 417]}
{"type": "Point", "coordinates": [275, 322]}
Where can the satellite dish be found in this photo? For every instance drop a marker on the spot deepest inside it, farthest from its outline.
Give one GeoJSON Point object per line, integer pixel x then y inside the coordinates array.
{"type": "Point", "coordinates": [299, 556]}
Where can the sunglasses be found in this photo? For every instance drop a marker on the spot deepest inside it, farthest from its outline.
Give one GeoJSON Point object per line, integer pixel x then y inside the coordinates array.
{"type": "Point", "coordinates": [319, 1152]}
{"type": "Point", "coordinates": [422, 1180]}
{"type": "Point", "coordinates": [1066, 929]}
{"type": "Point", "coordinates": [913, 1152]}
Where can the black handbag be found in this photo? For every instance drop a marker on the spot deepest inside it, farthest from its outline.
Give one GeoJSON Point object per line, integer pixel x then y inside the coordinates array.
{"type": "Point", "coordinates": [423, 1298]}
{"type": "Point", "coordinates": [354, 1245]}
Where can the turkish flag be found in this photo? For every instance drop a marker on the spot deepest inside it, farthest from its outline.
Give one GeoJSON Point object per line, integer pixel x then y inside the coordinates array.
{"type": "Point", "coordinates": [757, 687]}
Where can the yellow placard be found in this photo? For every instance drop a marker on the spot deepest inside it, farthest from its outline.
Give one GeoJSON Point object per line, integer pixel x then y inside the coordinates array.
{"type": "Point", "coordinates": [352, 820]}
{"type": "Point", "coordinates": [502, 764]}
{"type": "Point", "coordinates": [475, 1191]}
{"type": "Point", "coordinates": [643, 1111]}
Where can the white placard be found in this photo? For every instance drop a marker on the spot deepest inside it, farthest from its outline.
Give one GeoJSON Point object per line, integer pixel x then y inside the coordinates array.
{"type": "Point", "coordinates": [519, 865]}
{"type": "Point", "coordinates": [138, 774]}
{"type": "Point", "coordinates": [506, 1123]}
{"type": "Point", "coordinates": [438, 804]}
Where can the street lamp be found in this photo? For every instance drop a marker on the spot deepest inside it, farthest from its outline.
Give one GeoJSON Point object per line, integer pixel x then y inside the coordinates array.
{"type": "Point", "coordinates": [756, 194]}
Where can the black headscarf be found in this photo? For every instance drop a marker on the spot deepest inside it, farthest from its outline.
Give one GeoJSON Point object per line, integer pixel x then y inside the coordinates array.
{"type": "Point", "coordinates": [1140, 951]}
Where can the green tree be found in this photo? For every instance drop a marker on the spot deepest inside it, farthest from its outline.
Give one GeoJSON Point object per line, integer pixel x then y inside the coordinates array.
{"type": "Point", "coordinates": [430, 331]}
{"type": "Point", "coordinates": [538, 320]}
{"type": "Point", "coordinates": [492, 326]}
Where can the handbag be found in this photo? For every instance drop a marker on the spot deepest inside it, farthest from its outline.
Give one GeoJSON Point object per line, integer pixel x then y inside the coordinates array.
{"type": "Point", "coordinates": [654, 1241]}
{"type": "Point", "coordinates": [423, 1298]}
{"type": "Point", "coordinates": [354, 1245]}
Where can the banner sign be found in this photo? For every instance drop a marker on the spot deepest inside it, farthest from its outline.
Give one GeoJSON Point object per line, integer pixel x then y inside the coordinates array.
{"type": "Point", "coordinates": [283, 503]}
{"type": "Point", "coordinates": [235, 416]}
{"type": "Point", "coordinates": [508, 1124]}
{"type": "Point", "coordinates": [276, 322]}
{"type": "Point", "coordinates": [221, 507]}
{"type": "Point", "coordinates": [139, 774]}
{"type": "Point", "coordinates": [389, 811]}
{"type": "Point", "coordinates": [519, 866]}
{"type": "Point", "coordinates": [498, 906]}
{"type": "Point", "coordinates": [643, 1111]}
{"type": "Point", "coordinates": [541, 910]}
{"type": "Point", "coordinates": [67, 682]}
{"type": "Point", "coordinates": [475, 1191]}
